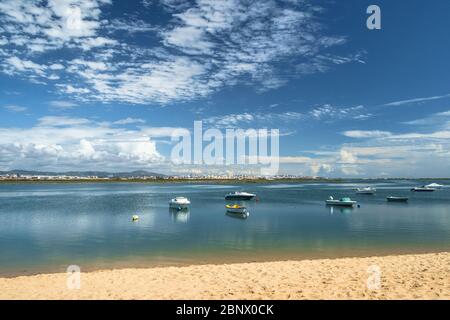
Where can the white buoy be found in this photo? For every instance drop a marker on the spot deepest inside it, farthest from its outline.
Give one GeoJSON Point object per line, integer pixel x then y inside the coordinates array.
{"type": "Point", "coordinates": [135, 218]}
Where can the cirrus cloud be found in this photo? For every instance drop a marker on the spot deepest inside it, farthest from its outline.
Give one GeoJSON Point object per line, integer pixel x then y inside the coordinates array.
{"type": "Point", "coordinates": [203, 46]}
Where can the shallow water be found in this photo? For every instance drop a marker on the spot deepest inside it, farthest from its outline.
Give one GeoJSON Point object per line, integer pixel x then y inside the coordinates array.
{"type": "Point", "coordinates": [46, 227]}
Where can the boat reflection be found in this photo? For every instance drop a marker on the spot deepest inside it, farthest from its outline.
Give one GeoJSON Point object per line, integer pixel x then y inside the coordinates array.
{"type": "Point", "coordinates": [179, 215]}
{"type": "Point", "coordinates": [343, 210]}
{"type": "Point", "coordinates": [242, 215]}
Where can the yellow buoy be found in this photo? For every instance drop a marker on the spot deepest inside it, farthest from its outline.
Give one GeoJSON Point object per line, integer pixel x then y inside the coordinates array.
{"type": "Point", "coordinates": [135, 218]}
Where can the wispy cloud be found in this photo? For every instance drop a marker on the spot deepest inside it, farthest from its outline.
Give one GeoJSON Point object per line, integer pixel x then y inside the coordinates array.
{"type": "Point", "coordinates": [62, 121]}
{"type": "Point", "coordinates": [325, 112]}
{"type": "Point", "coordinates": [413, 137]}
{"type": "Point", "coordinates": [239, 119]}
{"type": "Point", "coordinates": [440, 120]}
{"type": "Point", "coordinates": [332, 113]}
{"type": "Point", "coordinates": [130, 25]}
{"type": "Point", "coordinates": [14, 108]}
{"type": "Point", "coordinates": [416, 100]}
{"type": "Point", "coordinates": [129, 121]}
{"type": "Point", "coordinates": [63, 105]}
{"type": "Point", "coordinates": [364, 134]}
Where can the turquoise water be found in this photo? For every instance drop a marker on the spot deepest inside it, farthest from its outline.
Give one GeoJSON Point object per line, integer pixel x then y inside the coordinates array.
{"type": "Point", "coordinates": [46, 227]}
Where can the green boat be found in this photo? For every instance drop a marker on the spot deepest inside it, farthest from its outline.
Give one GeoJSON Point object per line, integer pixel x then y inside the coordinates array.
{"type": "Point", "coordinates": [397, 199]}
{"type": "Point", "coordinates": [344, 202]}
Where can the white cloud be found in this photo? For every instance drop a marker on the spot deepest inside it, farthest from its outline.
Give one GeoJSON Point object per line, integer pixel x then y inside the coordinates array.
{"type": "Point", "coordinates": [63, 105]}
{"type": "Point", "coordinates": [444, 134]}
{"type": "Point", "coordinates": [56, 121]}
{"type": "Point", "coordinates": [65, 143]}
{"type": "Point", "coordinates": [93, 65]}
{"type": "Point", "coordinates": [205, 46]}
{"type": "Point", "coordinates": [416, 100]}
{"type": "Point", "coordinates": [366, 134]}
{"type": "Point", "coordinates": [236, 119]}
{"type": "Point", "coordinates": [130, 26]}
{"type": "Point", "coordinates": [129, 121]}
{"type": "Point", "coordinates": [14, 108]}
{"type": "Point", "coordinates": [72, 90]}
{"type": "Point", "coordinates": [89, 43]}
{"type": "Point", "coordinates": [323, 63]}
{"type": "Point", "coordinates": [348, 157]}
{"type": "Point", "coordinates": [326, 112]}
{"type": "Point", "coordinates": [56, 66]}
{"type": "Point", "coordinates": [51, 24]}
{"type": "Point", "coordinates": [14, 65]}
{"type": "Point", "coordinates": [444, 113]}
{"type": "Point", "coordinates": [331, 113]}
{"type": "Point", "coordinates": [189, 39]}
{"type": "Point", "coordinates": [437, 120]}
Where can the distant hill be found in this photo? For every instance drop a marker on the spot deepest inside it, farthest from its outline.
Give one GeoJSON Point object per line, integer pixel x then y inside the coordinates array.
{"type": "Point", "coordinates": [100, 174]}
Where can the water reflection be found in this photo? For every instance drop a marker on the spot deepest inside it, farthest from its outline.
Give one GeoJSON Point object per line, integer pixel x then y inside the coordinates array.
{"type": "Point", "coordinates": [179, 215]}
{"type": "Point", "coordinates": [343, 210]}
{"type": "Point", "coordinates": [243, 215]}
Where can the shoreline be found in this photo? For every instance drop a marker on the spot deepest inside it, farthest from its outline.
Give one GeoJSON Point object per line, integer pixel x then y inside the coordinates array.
{"type": "Point", "coordinates": [172, 262]}
{"type": "Point", "coordinates": [408, 276]}
{"type": "Point", "coordinates": [215, 181]}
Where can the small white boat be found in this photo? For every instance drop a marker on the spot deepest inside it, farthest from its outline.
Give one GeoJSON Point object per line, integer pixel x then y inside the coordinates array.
{"type": "Point", "coordinates": [235, 208]}
{"type": "Point", "coordinates": [240, 196]}
{"type": "Point", "coordinates": [344, 202]}
{"type": "Point", "coordinates": [423, 189]}
{"type": "Point", "coordinates": [179, 203]}
{"type": "Point", "coordinates": [366, 190]}
{"type": "Point", "coordinates": [434, 186]}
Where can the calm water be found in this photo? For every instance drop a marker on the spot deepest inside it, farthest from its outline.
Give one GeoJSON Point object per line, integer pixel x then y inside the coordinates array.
{"type": "Point", "coordinates": [46, 227]}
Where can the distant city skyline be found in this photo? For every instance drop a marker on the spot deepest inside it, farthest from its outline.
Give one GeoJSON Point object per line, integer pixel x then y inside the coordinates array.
{"type": "Point", "coordinates": [102, 84]}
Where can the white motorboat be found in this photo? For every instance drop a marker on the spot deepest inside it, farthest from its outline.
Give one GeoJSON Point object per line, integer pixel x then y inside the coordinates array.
{"type": "Point", "coordinates": [240, 196]}
{"type": "Point", "coordinates": [366, 190]}
{"type": "Point", "coordinates": [423, 189]}
{"type": "Point", "coordinates": [344, 202]}
{"type": "Point", "coordinates": [179, 203]}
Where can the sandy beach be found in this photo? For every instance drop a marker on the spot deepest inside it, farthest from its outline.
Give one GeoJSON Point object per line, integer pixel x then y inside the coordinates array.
{"type": "Point", "coordinates": [417, 276]}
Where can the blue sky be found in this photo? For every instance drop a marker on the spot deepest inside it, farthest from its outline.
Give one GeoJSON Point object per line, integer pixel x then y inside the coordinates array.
{"type": "Point", "coordinates": [102, 84]}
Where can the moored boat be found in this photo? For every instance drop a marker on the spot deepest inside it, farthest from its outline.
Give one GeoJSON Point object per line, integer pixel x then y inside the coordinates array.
{"type": "Point", "coordinates": [240, 196]}
{"type": "Point", "coordinates": [397, 199]}
{"type": "Point", "coordinates": [344, 202]}
{"type": "Point", "coordinates": [366, 190]}
{"type": "Point", "coordinates": [235, 208]}
{"type": "Point", "coordinates": [423, 189]}
{"type": "Point", "coordinates": [179, 203]}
